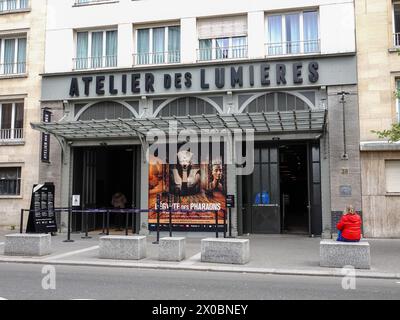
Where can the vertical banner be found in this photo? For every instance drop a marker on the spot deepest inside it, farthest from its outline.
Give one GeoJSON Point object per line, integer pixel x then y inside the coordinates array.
{"type": "Point", "coordinates": [192, 185]}
{"type": "Point", "coordinates": [45, 153]}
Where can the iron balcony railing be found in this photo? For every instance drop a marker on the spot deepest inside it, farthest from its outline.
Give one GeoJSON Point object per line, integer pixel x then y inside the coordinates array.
{"type": "Point", "coordinates": [293, 47]}
{"type": "Point", "coordinates": [95, 62]}
{"type": "Point", "coordinates": [11, 134]}
{"type": "Point", "coordinates": [12, 68]}
{"type": "Point", "coordinates": [149, 58]}
{"type": "Point", "coordinates": [78, 2]}
{"type": "Point", "coordinates": [13, 5]}
{"type": "Point", "coordinates": [222, 53]}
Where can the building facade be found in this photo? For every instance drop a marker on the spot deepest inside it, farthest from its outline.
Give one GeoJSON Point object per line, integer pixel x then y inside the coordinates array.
{"type": "Point", "coordinates": [22, 30]}
{"type": "Point", "coordinates": [378, 76]}
{"type": "Point", "coordinates": [282, 71]}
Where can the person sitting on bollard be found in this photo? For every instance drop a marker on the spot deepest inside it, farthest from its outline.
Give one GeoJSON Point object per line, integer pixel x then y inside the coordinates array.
{"type": "Point", "coordinates": [349, 226]}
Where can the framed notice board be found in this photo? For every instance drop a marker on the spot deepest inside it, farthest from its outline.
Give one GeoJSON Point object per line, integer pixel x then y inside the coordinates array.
{"type": "Point", "coordinates": [42, 217]}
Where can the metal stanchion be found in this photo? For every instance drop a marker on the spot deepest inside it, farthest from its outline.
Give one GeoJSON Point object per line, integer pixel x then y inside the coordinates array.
{"type": "Point", "coordinates": [126, 222]}
{"type": "Point", "coordinates": [69, 226]}
{"type": "Point", "coordinates": [103, 223]}
{"type": "Point", "coordinates": [230, 222]}
{"type": "Point", "coordinates": [170, 219]}
{"type": "Point", "coordinates": [108, 222]}
{"type": "Point", "coordinates": [158, 205]}
{"type": "Point", "coordinates": [21, 221]}
{"type": "Point", "coordinates": [225, 224]}
{"type": "Point", "coordinates": [86, 227]}
{"type": "Point", "coordinates": [216, 224]}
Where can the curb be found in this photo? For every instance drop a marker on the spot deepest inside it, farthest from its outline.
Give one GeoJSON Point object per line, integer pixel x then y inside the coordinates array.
{"type": "Point", "coordinates": [157, 266]}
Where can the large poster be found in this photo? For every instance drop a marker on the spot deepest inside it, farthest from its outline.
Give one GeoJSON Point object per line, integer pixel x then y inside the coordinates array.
{"type": "Point", "coordinates": [192, 185]}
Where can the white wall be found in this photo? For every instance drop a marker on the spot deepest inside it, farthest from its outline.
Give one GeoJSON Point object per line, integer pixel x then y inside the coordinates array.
{"type": "Point", "coordinates": [336, 18]}
{"type": "Point", "coordinates": [337, 28]}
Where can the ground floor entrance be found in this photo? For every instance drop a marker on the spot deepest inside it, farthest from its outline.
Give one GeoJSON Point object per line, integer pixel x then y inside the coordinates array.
{"type": "Point", "coordinates": [283, 194]}
{"type": "Point", "coordinates": [106, 178]}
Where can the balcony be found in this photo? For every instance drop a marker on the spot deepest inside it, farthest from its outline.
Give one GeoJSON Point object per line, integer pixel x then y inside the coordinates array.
{"type": "Point", "coordinates": [88, 2]}
{"type": "Point", "coordinates": [95, 62]}
{"type": "Point", "coordinates": [222, 53]}
{"type": "Point", "coordinates": [293, 48]}
{"type": "Point", "coordinates": [11, 135]}
{"type": "Point", "coordinates": [150, 58]}
{"type": "Point", "coordinates": [9, 69]}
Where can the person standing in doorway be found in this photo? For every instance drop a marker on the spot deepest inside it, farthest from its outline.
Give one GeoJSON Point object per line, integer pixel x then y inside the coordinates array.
{"type": "Point", "coordinates": [118, 202]}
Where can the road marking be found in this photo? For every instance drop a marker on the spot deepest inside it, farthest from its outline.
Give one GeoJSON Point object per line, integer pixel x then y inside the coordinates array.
{"type": "Point", "coordinates": [71, 253]}
{"type": "Point", "coordinates": [192, 260]}
{"type": "Point", "coordinates": [1, 243]}
{"type": "Point", "coordinates": [398, 282]}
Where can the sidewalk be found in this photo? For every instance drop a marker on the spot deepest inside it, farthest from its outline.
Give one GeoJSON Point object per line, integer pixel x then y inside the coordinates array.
{"type": "Point", "coordinates": [270, 254]}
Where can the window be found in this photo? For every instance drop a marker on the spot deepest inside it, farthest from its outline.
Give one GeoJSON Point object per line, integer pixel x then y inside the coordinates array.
{"type": "Point", "coordinates": [11, 121]}
{"type": "Point", "coordinates": [10, 181]}
{"type": "Point", "coordinates": [222, 48]}
{"type": "Point", "coordinates": [13, 5]}
{"type": "Point", "coordinates": [12, 56]}
{"type": "Point", "coordinates": [158, 45]}
{"type": "Point", "coordinates": [187, 106]}
{"type": "Point", "coordinates": [392, 170]}
{"type": "Point", "coordinates": [96, 49]}
{"type": "Point", "coordinates": [292, 33]}
{"type": "Point", "coordinates": [222, 38]}
{"type": "Point", "coordinates": [396, 24]}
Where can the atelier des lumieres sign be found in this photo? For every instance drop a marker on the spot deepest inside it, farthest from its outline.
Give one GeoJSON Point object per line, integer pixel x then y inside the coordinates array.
{"type": "Point", "coordinates": [248, 76]}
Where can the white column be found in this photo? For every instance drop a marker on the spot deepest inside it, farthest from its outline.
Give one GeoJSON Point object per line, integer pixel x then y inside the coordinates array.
{"type": "Point", "coordinates": [144, 194]}
{"type": "Point", "coordinates": [256, 34]}
{"type": "Point", "coordinates": [125, 45]}
{"type": "Point", "coordinates": [189, 40]}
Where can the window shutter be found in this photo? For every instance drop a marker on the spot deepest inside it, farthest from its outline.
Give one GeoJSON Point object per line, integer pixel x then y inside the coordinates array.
{"type": "Point", "coordinates": [222, 27]}
{"type": "Point", "coordinates": [392, 168]}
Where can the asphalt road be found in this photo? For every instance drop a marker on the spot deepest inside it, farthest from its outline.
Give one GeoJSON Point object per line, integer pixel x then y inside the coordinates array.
{"type": "Point", "coordinates": [24, 281]}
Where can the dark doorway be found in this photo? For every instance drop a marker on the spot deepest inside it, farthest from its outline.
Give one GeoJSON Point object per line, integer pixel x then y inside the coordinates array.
{"type": "Point", "coordinates": [294, 192]}
{"type": "Point", "coordinates": [99, 174]}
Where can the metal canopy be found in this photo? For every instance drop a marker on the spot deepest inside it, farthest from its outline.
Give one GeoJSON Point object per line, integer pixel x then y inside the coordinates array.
{"type": "Point", "coordinates": [313, 120]}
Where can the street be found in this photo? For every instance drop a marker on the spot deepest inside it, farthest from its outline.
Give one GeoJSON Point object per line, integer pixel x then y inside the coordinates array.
{"type": "Point", "coordinates": [24, 281]}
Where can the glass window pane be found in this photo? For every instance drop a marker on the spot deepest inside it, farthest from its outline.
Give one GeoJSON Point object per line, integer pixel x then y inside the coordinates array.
{"type": "Point", "coordinates": [396, 17]}
{"type": "Point", "coordinates": [81, 50]}
{"type": "Point", "coordinates": [9, 56]}
{"type": "Point", "coordinates": [310, 30]}
{"type": "Point", "coordinates": [222, 50]}
{"type": "Point", "coordinates": [143, 46]}
{"type": "Point", "coordinates": [19, 116]}
{"type": "Point", "coordinates": [21, 56]}
{"type": "Point", "coordinates": [239, 47]}
{"type": "Point", "coordinates": [97, 49]}
{"type": "Point", "coordinates": [158, 45]}
{"type": "Point", "coordinates": [275, 35]}
{"type": "Point", "coordinates": [293, 33]}
{"type": "Point", "coordinates": [111, 48]}
{"type": "Point", "coordinates": [174, 44]}
{"type": "Point", "coordinates": [205, 49]}
{"type": "Point", "coordinates": [10, 181]}
{"type": "Point", "coordinates": [6, 112]}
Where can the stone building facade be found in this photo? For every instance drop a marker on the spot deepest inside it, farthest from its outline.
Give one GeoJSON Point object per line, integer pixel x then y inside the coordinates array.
{"type": "Point", "coordinates": [22, 43]}
{"type": "Point", "coordinates": [378, 43]}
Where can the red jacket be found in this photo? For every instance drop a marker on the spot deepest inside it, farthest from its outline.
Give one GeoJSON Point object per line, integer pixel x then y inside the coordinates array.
{"type": "Point", "coordinates": [350, 225]}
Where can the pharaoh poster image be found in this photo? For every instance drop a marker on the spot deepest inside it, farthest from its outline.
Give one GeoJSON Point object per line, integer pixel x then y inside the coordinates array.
{"type": "Point", "coordinates": [193, 184]}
